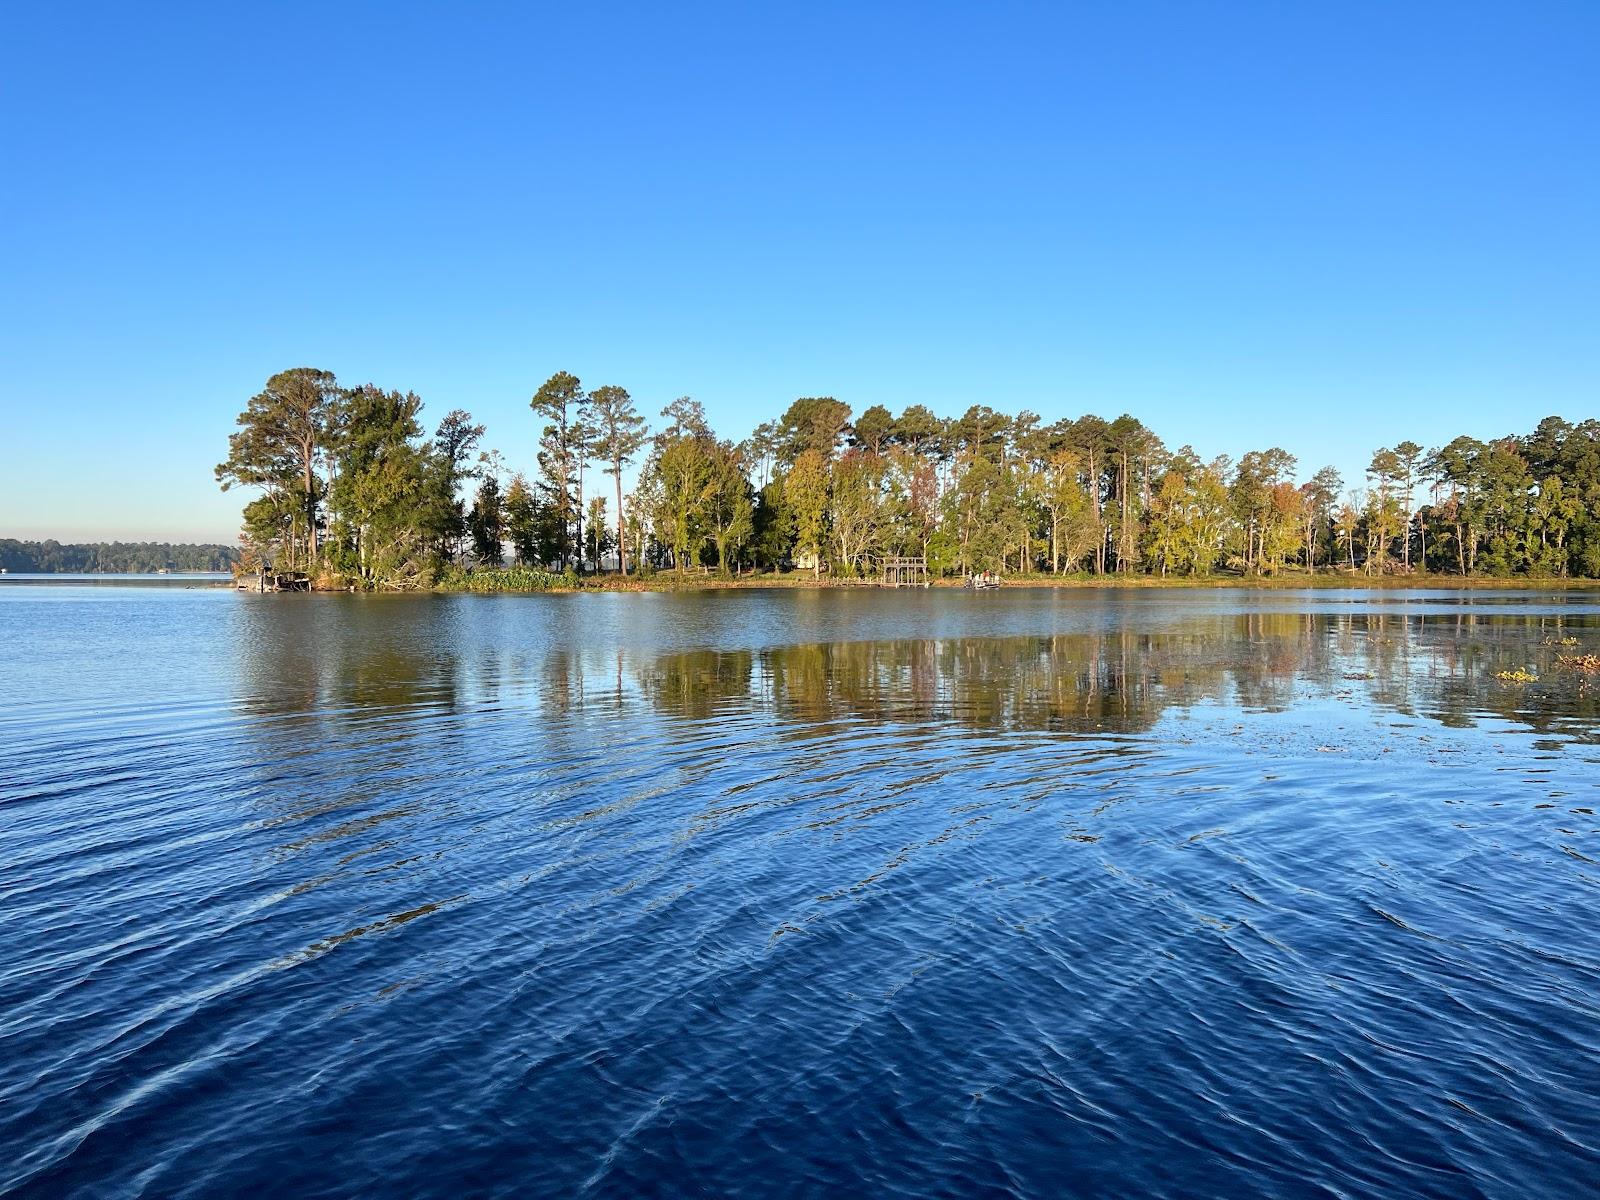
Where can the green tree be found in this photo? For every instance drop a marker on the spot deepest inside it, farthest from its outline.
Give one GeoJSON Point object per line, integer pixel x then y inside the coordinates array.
{"type": "Point", "coordinates": [980, 432]}
{"type": "Point", "coordinates": [761, 452]}
{"type": "Point", "coordinates": [682, 469]}
{"type": "Point", "coordinates": [1386, 516]}
{"type": "Point", "coordinates": [812, 423]}
{"type": "Point", "coordinates": [487, 522]}
{"type": "Point", "coordinates": [521, 519]}
{"type": "Point", "coordinates": [1168, 518]}
{"type": "Point", "coordinates": [856, 508]}
{"type": "Point", "coordinates": [1073, 527]}
{"type": "Point", "coordinates": [1254, 483]}
{"type": "Point", "coordinates": [916, 428]}
{"type": "Point", "coordinates": [1132, 445]}
{"type": "Point", "coordinates": [772, 536]}
{"type": "Point", "coordinates": [872, 429]}
{"type": "Point", "coordinates": [383, 491]}
{"type": "Point", "coordinates": [1454, 468]}
{"type": "Point", "coordinates": [454, 441]}
{"type": "Point", "coordinates": [621, 435]}
{"type": "Point", "coordinates": [1090, 436]}
{"type": "Point", "coordinates": [283, 431]}
{"type": "Point", "coordinates": [561, 401]}
{"type": "Point", "coordinates": [729, 508]}
{"type": "Point", "coordinates": [585, 445]}
{"type": "Point", "coordinates": [1409, 456]}
{"type": "Point", "coordinates": [1503, 504]}
{"type": "Point", "coordinates": [686, 418]}
{"type": "Point", "coordinates": [597, 538]}
{"type": "Point", "coordinates": [1286, 516]}
{"type": "Point", "coordinates": [982, 510]}
{"type": "Point", "coordinates": [1321, 497]}
{"type": "Point", "coordinates": [913, 500]}
{"type": "Point", "coordinates": [1554, 511]}
{"type": "Point", "coordinates": [806, 486]}
{"type": "Point", "coordinates": [1206, 519]}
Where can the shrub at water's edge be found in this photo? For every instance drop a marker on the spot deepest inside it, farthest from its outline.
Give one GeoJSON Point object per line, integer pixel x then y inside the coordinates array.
{"type": "Point", "coordinates": [507, 579]}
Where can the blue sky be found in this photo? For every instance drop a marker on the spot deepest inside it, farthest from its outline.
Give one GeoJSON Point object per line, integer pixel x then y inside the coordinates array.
{"type": "Point", "coordinates": [1326, 227]}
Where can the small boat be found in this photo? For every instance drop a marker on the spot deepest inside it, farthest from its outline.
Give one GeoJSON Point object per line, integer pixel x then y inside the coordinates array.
{"type": "Point", "coordinates": [982, 582]}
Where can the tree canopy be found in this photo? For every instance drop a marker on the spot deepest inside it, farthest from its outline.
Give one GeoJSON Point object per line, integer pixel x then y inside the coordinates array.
{"type": "Point", "coordinates": [346, 483]}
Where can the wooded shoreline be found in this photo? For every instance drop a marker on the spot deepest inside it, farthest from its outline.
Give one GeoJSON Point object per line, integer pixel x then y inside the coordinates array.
{"type": "Point", "coordinates": [351, 490]}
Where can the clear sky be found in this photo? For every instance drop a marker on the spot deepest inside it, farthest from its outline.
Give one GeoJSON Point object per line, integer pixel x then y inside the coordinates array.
{"type": "Point", "coordinates": [1322, 226]}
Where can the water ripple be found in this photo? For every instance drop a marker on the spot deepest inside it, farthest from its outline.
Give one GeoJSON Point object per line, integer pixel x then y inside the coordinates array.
{"type": "Point", "coordinates": [1107, 898]}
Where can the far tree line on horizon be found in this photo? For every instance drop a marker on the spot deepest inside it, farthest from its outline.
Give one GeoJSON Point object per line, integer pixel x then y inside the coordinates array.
{"type": "Point", "coordinates": [351, 486]}
{"type": "Point", "coordinates": [51, 557]}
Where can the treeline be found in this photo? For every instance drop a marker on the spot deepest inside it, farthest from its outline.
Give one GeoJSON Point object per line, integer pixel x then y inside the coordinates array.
{"type": "Point", "coordinates": [351, 485]}
{"type": "Point", "coordinates": [51, 557]}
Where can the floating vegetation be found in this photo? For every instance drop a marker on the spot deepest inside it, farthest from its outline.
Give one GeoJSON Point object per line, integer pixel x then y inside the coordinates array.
{"type": "Point", "coordinates": [1589, 664]}
{"type": "Point", "coordinates": [1517, 676]}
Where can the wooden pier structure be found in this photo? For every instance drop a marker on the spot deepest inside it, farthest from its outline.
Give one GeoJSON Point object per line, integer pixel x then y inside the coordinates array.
{"type": "Point", "coordinates": [274, 581]}
{"type": "Point", "coordinates": [902, 570]}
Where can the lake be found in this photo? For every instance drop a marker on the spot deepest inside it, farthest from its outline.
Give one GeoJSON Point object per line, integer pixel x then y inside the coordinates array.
{"type": "Point", "coordinates": [778, 893]}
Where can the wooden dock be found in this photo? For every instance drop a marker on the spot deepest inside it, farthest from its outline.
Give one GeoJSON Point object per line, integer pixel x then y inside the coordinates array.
{"type": "Point", "coordinates": [901, 570]}
{"type": "Point", "coordinates": [274, 581]}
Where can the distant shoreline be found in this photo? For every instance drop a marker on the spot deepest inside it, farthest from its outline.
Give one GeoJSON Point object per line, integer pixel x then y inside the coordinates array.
{"type": "Point", "coordinates": [52, 557]}
{"type": "Point", "coordinates": [223, 574]}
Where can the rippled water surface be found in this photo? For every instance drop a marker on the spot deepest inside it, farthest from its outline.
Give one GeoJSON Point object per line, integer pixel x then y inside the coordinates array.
{"type": "Point", "coordinates": [1153, 893]}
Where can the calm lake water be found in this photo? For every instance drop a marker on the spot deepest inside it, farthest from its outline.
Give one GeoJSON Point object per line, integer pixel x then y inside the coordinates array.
{"type": "Point", "coordinates": [1147, 893]}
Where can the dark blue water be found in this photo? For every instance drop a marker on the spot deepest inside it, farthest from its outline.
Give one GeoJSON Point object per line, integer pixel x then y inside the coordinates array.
{"type": "Point", "coordinates": [776, 894]}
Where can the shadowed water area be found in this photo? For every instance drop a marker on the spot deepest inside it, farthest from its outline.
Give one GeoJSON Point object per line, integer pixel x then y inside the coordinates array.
{"type": "Point", "coordinates": [771, 893]}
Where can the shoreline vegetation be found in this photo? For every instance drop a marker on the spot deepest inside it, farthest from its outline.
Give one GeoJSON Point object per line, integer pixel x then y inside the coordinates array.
{"type": "Point", "coordinates": [350, 493]}
{"type": "Point", "coordinates": [515, 581]}
{"type": "Point", "coordinates": [509, 581]}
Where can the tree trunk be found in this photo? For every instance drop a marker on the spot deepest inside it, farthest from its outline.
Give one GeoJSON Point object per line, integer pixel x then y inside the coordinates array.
{"type": "Point", "coordinates": [1094, 500]}
{"type": "Point", "coordinates": [622, 525]}
{"type": "Point", "coordinates": [580, 517]}
{"type": "Point", "coordinates": [1122, 538]}
{"type": "Point", "coordinates": [308, 450]}
{"type": "Point", "coordinates": [564, 507]}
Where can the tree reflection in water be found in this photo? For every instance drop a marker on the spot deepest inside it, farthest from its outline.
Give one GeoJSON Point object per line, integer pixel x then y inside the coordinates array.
{"type": "Point", "coordinates": [386, 714]}
{"type": "Point", "coordinates": [1442, 669]}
